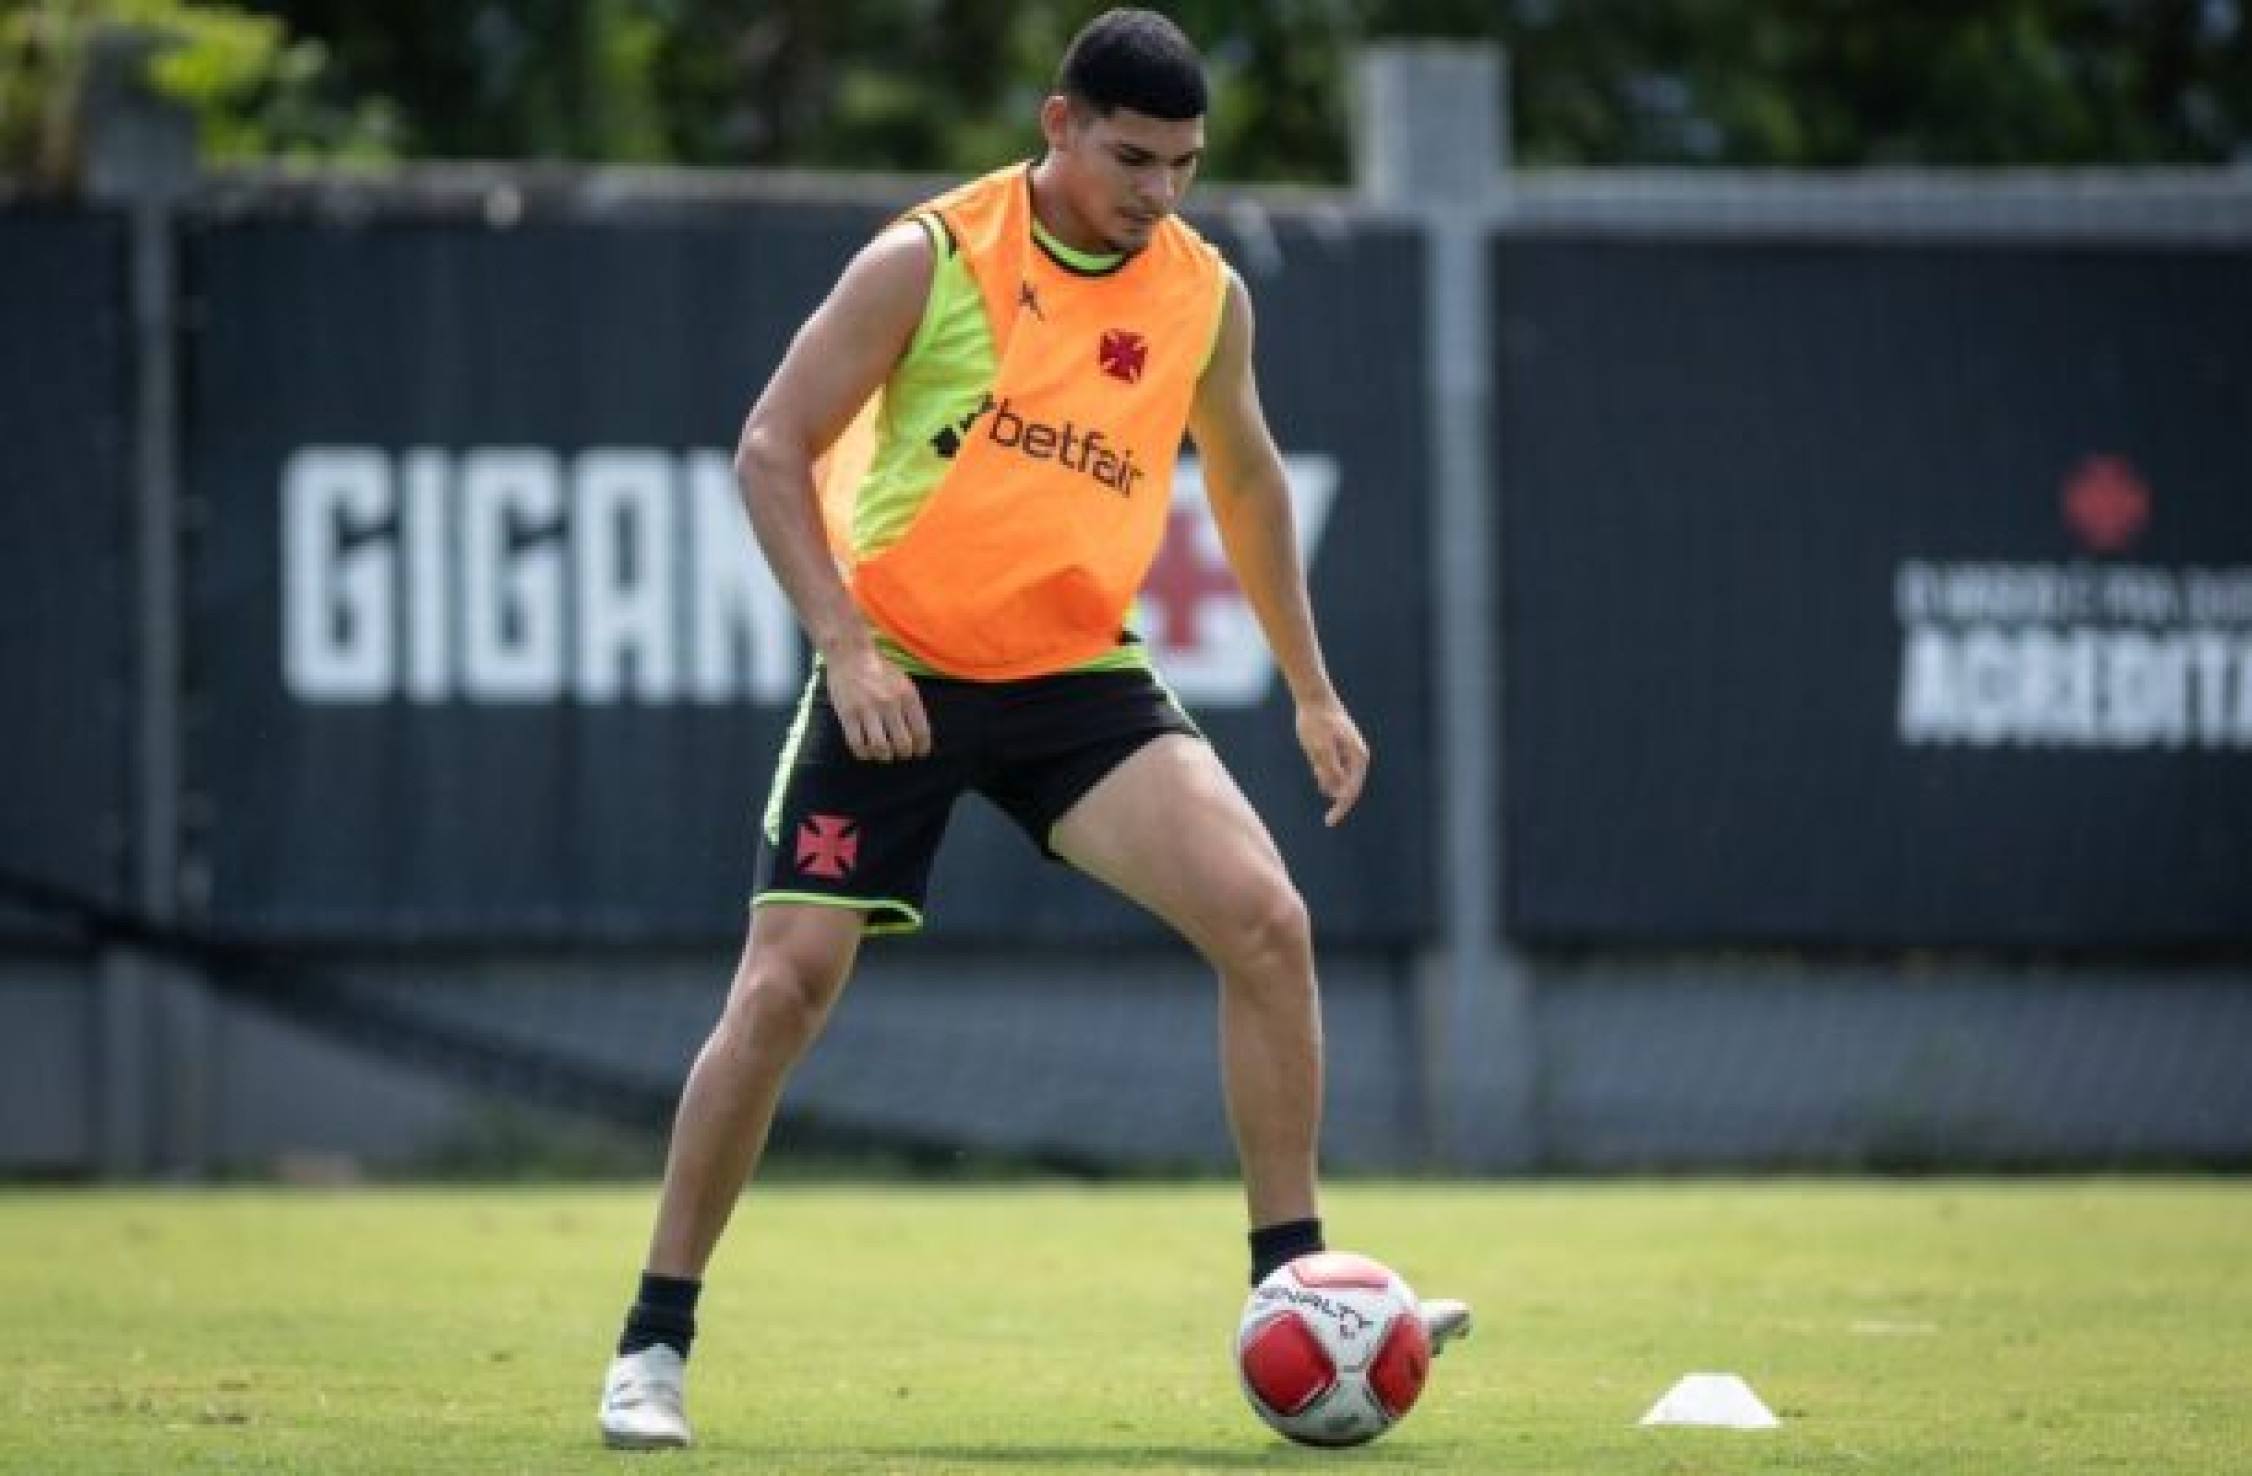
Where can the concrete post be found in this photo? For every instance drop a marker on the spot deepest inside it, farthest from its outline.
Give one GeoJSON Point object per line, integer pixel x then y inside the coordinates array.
{"type": "Point", "coordinates": [1429, 140]}
{"type": "Point", "coordinates": [153, 1083]}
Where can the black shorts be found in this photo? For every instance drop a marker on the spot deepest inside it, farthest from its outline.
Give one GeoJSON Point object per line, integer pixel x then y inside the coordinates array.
{"type": "Point", "coordinates": [847, 832]}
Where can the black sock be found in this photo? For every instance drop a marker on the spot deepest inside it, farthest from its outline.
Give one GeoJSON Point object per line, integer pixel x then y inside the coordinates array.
{"type": "Point", "coordinates": [663, 1312]}
{"type": "Point", "coordinates": [1274, 1246]}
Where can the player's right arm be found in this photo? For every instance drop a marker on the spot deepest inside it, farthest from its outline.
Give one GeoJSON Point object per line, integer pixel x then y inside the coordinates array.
{"type": "Point", "coordinates": [840, 357]}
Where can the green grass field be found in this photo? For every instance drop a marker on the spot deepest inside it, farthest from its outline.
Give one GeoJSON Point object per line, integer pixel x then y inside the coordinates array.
{"type": "Point", "coordinates": [1924, 1327]}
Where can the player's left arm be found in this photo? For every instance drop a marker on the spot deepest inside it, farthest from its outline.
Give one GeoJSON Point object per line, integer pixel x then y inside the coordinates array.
{"type": "Point", "coordinates": [1250, 496]}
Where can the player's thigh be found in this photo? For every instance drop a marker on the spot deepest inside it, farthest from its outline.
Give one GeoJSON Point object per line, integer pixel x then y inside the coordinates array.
{"type": "Point", "coordinates": [1170, 829]}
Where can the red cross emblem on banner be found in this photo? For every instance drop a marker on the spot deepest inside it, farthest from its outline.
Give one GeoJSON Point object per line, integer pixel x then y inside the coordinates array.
{"type": "Point", "coordinates": [1184, 579]}
{"type": "Point", "coordinates": [828, 845]}
{"type": "Point", "coordinates": [2106, 503]}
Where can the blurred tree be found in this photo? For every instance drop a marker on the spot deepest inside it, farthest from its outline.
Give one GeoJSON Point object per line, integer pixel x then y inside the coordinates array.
{"type": "Point", "coordinates": [255, 91]}
{"type": "Point", "coordinates": [882, 84]}
{"type": "Point", "coordinates": [504, 79]}
{"type": "Point", "coordinates": [1840, 82]}
{"type": "Point", "coordinates": [951, 85]}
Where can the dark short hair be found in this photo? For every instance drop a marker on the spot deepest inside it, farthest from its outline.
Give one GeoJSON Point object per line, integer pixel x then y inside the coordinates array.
{"type": "Point", "coordinates": [1133, 59]}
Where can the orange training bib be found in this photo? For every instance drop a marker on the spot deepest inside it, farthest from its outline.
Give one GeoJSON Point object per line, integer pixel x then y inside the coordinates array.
{"type": "Point", "coordinates": [1027, 554]}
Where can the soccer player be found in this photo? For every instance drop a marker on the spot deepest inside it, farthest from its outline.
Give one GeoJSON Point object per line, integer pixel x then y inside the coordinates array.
{"type": "Point", "coordinates": [960, 474]}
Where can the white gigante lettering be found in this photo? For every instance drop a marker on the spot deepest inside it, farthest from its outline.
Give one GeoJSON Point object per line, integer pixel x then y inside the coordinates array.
{"type": "Point", "coordinates": [512, 576]}
{"type": "Point", "coordinates": [429, 590]}
{"type": "Point", "coordinates": [738, 613]}
{"type": "Point", "coordinates": [622, 548]}
{"type": "Point", "coordinates": [338, 642]}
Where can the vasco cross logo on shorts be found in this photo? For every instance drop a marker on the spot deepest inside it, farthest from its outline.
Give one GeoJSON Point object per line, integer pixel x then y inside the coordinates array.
{"type": "Point", "coordinates": [1122, 354]}
{"type": "Point", "coordinates": [828, 845]}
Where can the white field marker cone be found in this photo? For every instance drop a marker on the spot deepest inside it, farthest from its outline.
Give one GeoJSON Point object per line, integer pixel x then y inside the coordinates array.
{"type": "Point", "coordinates": [1721, 1400]}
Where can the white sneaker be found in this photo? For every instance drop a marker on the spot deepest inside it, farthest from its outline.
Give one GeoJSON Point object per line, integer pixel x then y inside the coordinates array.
{"type": "Point", "coordinates": [1444, 1320]}
{"type": "Point", "coordinates": [641, 1401]}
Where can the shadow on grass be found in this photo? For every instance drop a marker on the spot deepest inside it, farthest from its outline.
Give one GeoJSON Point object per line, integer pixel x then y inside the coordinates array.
{"type": "Point", "coordinates": [1164, 1457]}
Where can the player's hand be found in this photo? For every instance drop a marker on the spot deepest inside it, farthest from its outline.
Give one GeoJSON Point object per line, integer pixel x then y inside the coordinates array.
{"type": "Point", "coordinates": [1338, 753]}
{"type": "Point", "coordinates": [877, 705]}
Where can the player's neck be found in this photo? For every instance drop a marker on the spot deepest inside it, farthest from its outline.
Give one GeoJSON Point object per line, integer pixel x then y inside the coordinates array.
{"type": "Point", "coordinates": [1054, 213]}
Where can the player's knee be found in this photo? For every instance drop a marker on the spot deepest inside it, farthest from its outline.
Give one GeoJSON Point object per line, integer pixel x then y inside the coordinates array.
{"type": "Point", "coordinates": [779, 1004]}
{"type": "Point", "coordinates": [1270, 935]}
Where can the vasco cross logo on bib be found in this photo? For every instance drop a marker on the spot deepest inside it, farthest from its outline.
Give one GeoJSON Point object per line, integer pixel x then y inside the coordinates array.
{"type": "Point", "coordinates": [1122, 354]}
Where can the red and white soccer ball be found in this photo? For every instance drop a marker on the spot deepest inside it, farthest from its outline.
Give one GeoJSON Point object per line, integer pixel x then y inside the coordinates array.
{"type": "Point", "coordinates": [1331, 1349]}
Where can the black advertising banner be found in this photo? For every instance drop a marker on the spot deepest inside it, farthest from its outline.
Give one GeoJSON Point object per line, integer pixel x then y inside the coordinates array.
{"type": "Point", "coordinates": [65, 556]}
{"type": "Point", "coordinates": [490, 651]}
{"type": "Point", "coordinates": [485, 648]}
{"type": "Point", "coordinates": [1877, 594]}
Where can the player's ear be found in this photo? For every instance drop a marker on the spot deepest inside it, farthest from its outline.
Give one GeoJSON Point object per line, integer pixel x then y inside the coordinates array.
{"type": "Point", "coordinates": [1056, 122]}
